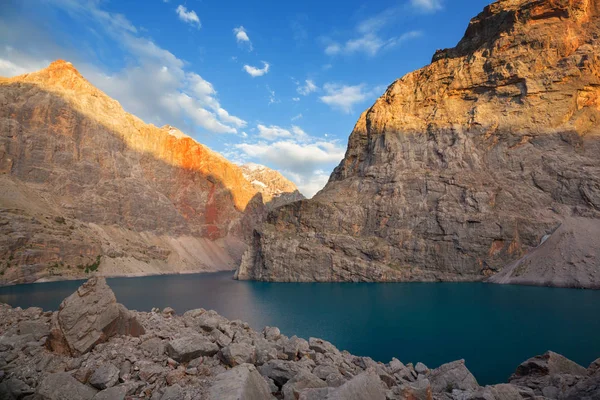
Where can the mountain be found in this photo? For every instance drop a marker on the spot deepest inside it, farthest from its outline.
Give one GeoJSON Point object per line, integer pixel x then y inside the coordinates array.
{"type": "Point", "coordinates": [83, 184]}
{"type": "Point", "coordinates": [464, 166]}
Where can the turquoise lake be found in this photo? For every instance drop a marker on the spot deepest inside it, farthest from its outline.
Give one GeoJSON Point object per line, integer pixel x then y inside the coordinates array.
{"type": "Point", "coordinates": [493, 327]}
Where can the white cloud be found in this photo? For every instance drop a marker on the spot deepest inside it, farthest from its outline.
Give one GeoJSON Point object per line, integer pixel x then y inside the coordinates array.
{"type": "Point", "coordinates": [299, 156]}
{"type": "Point", "coordinates": [295, 98]}
{"type": "Point", "coordinates": [272, 97]}
{"type": "Point", "coordinates": [242, 37]}
{"type": "Point", "coordinates": [345, 97]}
{"type": "Point", "coordinates": [189, 17]}
{"type": "Point", "coordinates": [427, 5]}
{"type": "Point", "coordinates": [303, 163]}
{"type": "Point", "coordinates": [155, 85]}
{"type": "Point", "coordinates": [308, 88]}
{"type": "Point", "coordinates": [254, 71]}
{"type": "Point", "coordinates": [369, 44]}
{"type": "Point", "coordinates": [297, 117]}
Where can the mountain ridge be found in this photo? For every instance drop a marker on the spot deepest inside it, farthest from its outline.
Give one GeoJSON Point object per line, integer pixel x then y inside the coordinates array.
{"type": "Point", "coordinates": [88, 186]}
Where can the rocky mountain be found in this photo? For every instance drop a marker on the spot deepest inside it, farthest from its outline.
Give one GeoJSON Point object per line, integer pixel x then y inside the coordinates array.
{"type": "Point", "coordinates": [271, 184]}
{"type": "Point", "coordinates": [86, 186]}
{"type": "Point", "coordinates": [463, 166]}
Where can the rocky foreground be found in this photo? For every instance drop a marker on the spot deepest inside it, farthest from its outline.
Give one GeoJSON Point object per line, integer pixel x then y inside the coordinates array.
{"type": "Point", "coordinates": [94, 348]}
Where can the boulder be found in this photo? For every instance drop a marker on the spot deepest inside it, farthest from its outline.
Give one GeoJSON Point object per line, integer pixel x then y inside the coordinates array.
{"type": "Point", "coordinates": [174, 392]}
{"type": "Point", "coordinates": [281, 371]}
{"type": "Point", "coordinates": [105, 376]}
{"type": "Point", "coordinates": [295, 347]}
{"type": "Point", "coordinates": [594, 367]}
{"type": "Point", "coordinates": [421, 368]}
{"type": "Point", "coordinates": [501, 392]}
{"type": "Point", "coordinates": [62, 386]}
{"type": "Point", "coordinates": [365, 386]}
{"type": "Point", "coordinates": [322, 346]}
{"type": "Point", "coordinates": [90, 316]}
{"type": "Point", "coordinates": [187, 348]}
{"type": "Point", "coordinates": [38, 329]}
{"type": "Point", "coordinates": [419, 390]}
{"type": "Point", "coordinates": [240, 383]}
{"type": "Point", "coordinates": [238, 353]}
{"type": "Point", "coordinates": [113, 393]}
{"type": "Point", "coordinates": [271, 333]}
{"type": "Point", "coordinates": [302, 380]}
{"type": "Point", "coordinates": [13, 388]}
{"type": "Point", "coordinates": [549, 363]}
{"type": "Point", "coordinates": [450, 376]}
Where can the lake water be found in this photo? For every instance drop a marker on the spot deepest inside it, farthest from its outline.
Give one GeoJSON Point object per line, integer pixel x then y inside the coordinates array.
{"type": "Point", "coordinates": [493, 327]}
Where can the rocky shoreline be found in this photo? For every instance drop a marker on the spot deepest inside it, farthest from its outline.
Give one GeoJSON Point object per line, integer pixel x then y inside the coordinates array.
{"type": "Point", "coordinates": [94, 348]}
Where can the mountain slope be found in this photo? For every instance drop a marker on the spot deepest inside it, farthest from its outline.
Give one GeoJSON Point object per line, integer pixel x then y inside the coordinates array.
{"type": "Point", "coordinates": [461, 166]}
{"type": "Point", "coordinates": [82, 180]}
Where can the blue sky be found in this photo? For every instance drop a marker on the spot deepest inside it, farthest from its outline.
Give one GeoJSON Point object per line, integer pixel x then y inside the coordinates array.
{"type": "Point", "coordinates": [279, 83]}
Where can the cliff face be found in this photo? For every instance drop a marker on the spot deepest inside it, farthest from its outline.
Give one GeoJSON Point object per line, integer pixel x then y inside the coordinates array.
{"type": "Point", "coordinates": [82, 180]}
{"type": "Point", "coordinates": [462, 166]}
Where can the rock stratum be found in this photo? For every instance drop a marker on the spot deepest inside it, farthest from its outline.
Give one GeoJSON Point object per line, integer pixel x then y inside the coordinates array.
{"type": "Point", "coordinates": [85, 186]}
{"type": "Point", "coordinates": [464, 166]}
{"type": "Point", "coordinates": [109, 352]}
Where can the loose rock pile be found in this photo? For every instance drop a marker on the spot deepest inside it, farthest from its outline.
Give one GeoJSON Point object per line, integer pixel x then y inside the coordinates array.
{"type": "Point", "coordinates": [93, 348]}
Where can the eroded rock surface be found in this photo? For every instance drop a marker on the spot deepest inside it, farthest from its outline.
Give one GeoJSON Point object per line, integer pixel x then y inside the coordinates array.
{"type": "Point", "coordinates": [462, 166]}
{"type": "Point", "coordinates": [182, 357]}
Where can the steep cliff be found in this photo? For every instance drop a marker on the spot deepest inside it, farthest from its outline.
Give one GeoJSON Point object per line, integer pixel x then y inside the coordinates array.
{"type": "Point", "coordinates": [462, 166]}
{"type": "Point", "coordinates": [83, 184]}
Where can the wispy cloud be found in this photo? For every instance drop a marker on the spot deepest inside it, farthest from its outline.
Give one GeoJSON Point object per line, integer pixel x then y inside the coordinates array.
{"type": "Point", "coordinates": [189, 17]}
{"type": "Point", "coordinates": [307, 88]}
{"type": "Point", "coordinates": [427, 5]}
{"type": "Point", "coordinates": [345, 97]}
{"type": "Point", "coordinates": [299, 156]}
{"type": "Point", "coordinates": [241, 36]}
{"type": "Point", "coordinates": [370, 38]}
{"type": "Point", "coordinates": [254, 71]}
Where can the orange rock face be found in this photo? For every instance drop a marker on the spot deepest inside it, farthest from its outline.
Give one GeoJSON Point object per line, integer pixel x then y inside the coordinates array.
{"type": "Point", "coordinates": [122, 190]}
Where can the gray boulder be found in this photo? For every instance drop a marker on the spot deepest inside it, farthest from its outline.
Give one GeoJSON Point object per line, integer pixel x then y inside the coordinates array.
{"type": "Point", "coordinates": [271, 333]}
{"type": "Point", "coordinates": [365, 386]}
{"type": "Point", "coordinates": [38, 329]}
{"type": "Point", "coordinates": [105, 376]}
{"type": "Point", "coordinates": [501, 392]}
{"type": "Point", "coordinates": [302, 380]}
{"type": "Point", "coordinates": [295, 347]}
{"type": "Point", "coordinates": [113, 393]}
{"type": "Point", "coordinates": [322, 346]}
{"type": "Point", "coordinates": [549, 363]}
{"type": "Point", "coordinates": [238, 353]}
{"type": "Point", "coordinates": [281, 371]}
{"type": "Point", "coordinates": [450, 376]}
{"type": "Point", "coordinates": [90, 316]}
{"type": "Point", "coordinates": [240, 383]}
{"type": "Point", "coordinates": [62, 386]}
{"type": "Point", "coordinates": [419, 390]}
{"type": "Point", "coordinates": [13, 388]}
{"type": "Point", "coordinates": [187, 348]}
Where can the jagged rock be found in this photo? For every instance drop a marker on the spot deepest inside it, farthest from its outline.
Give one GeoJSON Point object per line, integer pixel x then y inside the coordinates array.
{"type": "Point", "coordinates": [168, 311]}
{"type": "Point", "coordinates": [462, 166]}
{"type": "Point", "coordinates": [549, 363]}
{"type": "Point", "coordinates": [419, 390]}
{"type": "Point", "coordinates": [594, 367]}
{"type": "Point", "coordinates": [172, 393]}
{"type": "Point", "coordinates": [14, 388]}
{"type": "Point", "coordinates": [295, 347]}
{"type": "Point", "coordinates": [499, 392]}
{"type": "Point", "coordinates": [62, 386]}
{"type": "Point", "coordinates": [90, 316]}
{"type": "Point", "coordinates": [38, 329]}
{"type": "Point", "coordinates": [322, 346]}
{"type": "Point", "coordinates": [271, 333]}
{"type": "Point", "coordinates": [421, 368]}
{"type": "Point", "coordinates": [113, 393]}
{"type": "Point", "coordinates": [281, 371]}
{"type": "Point", "coordinates": [105, 376]}
{"type": "Point", "coordinates": [450, 376]}
{"type": "Point", "coordinates": [238, 353]}
{"type": "Point", "coordinates": [365, 386]}
{"type": "Point", "coordinates": [187, 348]}
{"type": "Point", "coordinates": [302, 380]}
{"type": "Point", "coordinates": [240, 383]}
